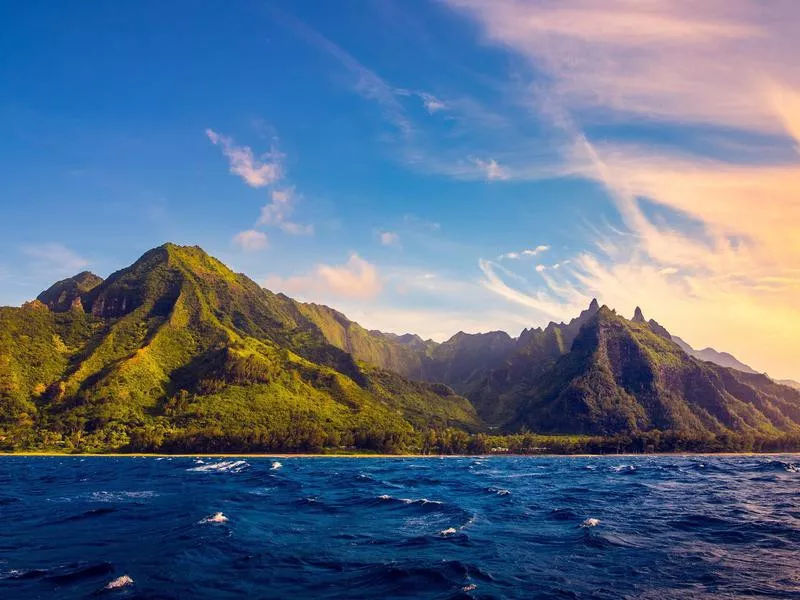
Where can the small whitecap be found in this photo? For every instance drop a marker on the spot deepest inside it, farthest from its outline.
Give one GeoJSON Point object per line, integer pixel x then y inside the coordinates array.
{"type": "Point", "coordinates": [448, 531]}
{"type": "Point", "coordinates": [384, 497]}
{"type": "Point", "coordinates": [226, 466]}
{"type": "Point", "coordinates": [469, 588]}
{"type": "Point", "coordinates": [215, 518]}
{"type": "Point", "coordinates": [275, 466]}
{"type": "Point", "coordinates": [591, 522]}
{"type": "Point", "coordinates": [119, 582]}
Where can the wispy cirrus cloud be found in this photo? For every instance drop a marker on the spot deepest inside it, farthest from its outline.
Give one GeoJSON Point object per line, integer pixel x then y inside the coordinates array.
{"type": "Point", "coordinates": [54, 258]}
{"type": "Point", "coordinates": [474, 147]}
{"type": "Point", "coordinates": [664, 59]}
{"type": "Point", "coordinates": [710, 241]}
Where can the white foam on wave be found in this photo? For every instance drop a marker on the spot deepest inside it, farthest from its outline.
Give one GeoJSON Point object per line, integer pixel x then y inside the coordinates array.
{"type": "Point", "coordinates": [215, 518]}
{"type": "Point", "coordinates": [469, 588]}
{"type": "Point", "coordinates": [423, 501]}
{"type": "Point", "coordinates": [591, 522]}
{"type": "Point", "coordinates": [119, 582]}
{"type": "Point", "coordinates": [448, 531]}
{"type": "Point", "coordinates": [225, 466]}
{"type": "Point", "coordinates": [103, 496]}
{"type": "Point", "coordinates": [623, 468]}
{"type": "Point", "coordinates": [500, 491]}
{"type": "Point", "coordinates": [275, 466]}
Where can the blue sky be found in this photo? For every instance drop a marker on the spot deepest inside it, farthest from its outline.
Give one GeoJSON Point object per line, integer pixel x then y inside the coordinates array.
{"type": "Point", "coordinates": [396, 159]}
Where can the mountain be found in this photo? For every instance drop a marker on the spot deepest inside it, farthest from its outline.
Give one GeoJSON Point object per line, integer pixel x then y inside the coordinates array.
{"type": "Point", "coordinates": [601, 374]}
{"type": "Point", "coordinates": [178, 352]}
{"type": "Point", "coordinates": [63, 294]}
{"type": "Point", "coordinates": [622, 376]}
{"type": "Point", "coordinates": [789, 383]}
{"type": "Point", "coordinates": [722, 359]}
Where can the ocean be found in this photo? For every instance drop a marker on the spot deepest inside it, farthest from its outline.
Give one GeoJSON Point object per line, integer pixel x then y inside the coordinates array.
{"type": "Point", "coordinates": [501, 527]}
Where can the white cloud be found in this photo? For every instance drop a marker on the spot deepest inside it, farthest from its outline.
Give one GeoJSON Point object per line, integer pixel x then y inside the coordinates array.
{"type": "Point", "coordinates": [535, 251]}
{"type": "Point", "coordinates": [720, 264]}
{"type": "Point", "coordinates": [432, 103]}
{"type": "Point", "coordinates": [357, 278]}
{"type": "Point", "coordinates": [389, 238]}
{"type": "Point", "coordinates": [254, 171]}
{"type": "Point", "coordinates": [491, 169]}
{"type": "Point", "coordinates": [55, 258]}
{"type": "Point", "coordinates": [250, 240]}
{"type": "Point", "coordinates": [278, 211]}
{"type": "Point", "coordinates": [660, 59]}
{"type": "Point", "coordinates": [528, 252]}
{"type": "Point", "coordinates": [540, 268]}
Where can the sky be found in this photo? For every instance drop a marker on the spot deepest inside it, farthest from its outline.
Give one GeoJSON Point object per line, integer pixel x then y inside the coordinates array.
{"type": "Point", "coordinates": [424, 166]}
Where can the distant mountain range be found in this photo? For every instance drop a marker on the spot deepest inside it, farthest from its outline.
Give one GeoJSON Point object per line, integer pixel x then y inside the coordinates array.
{"type": "Point", "coordinates": [177, 352]}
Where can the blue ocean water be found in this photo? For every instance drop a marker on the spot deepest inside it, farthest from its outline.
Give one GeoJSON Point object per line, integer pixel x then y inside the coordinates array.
{"type": "Point", "coordinates": [504, 527]}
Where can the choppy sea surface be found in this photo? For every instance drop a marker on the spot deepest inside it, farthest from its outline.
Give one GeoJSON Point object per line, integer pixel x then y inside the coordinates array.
{"type": "Point", "coordinates": [502, 527]}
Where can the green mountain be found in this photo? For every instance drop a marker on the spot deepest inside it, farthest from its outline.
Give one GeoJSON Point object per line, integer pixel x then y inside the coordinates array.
{"type": "Point", "coordinates": [602, 374]}
{"type": "Point", "coordinates": [63, 294]}
{"type": "Point", "coordinates": [178, 352]}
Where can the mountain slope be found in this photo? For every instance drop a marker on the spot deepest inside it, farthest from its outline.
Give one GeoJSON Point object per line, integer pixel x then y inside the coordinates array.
{"type": "Point", "coordinates": [177, 351]}
{"type": "Point", "coordinates": [597, 374]}
{"type": "Point", "coordinates": [722, 359]}
{"type": "Point", "coordinates": [621, 376]}
{"type": "Point", "coordinates": [63, 294]}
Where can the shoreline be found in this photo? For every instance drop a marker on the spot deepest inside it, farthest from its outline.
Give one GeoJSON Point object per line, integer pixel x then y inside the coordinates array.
{"type": "Point", "coordinates": [374, 456]}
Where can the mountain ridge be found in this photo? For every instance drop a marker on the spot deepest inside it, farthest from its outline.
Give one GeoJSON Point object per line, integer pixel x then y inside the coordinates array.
{"type": "Point", "coordinates": [178, 352]}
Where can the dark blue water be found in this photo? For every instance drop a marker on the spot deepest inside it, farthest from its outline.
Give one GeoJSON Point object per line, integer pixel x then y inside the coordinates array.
{"type": "Point", "coordinates": [669, 527]}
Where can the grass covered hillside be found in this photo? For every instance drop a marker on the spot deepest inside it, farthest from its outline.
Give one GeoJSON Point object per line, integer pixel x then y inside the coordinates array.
{"type": "Point", "coordinates": [178, 352]}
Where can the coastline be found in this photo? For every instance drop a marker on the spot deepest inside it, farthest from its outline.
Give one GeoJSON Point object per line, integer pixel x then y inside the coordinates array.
{"type": "Point", "coordinates": [374, 456]}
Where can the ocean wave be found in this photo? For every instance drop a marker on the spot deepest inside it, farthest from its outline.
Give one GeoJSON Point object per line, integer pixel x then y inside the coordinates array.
{"type": "Point", "coordinates": [95, 512]}
{"type": "Point", "coordinates": [624, 469]}
{"type": "Point", "coordinates": [119, 582]}
{"type": "Point", "coordinates": [778, 466]}
{"type": "Point", "coordinates": [562, 514]}
{"type": "Point", "coordinates": [225, 466]}
{"type": "Point", "coordinates": [419, 501]}
{"type": "Point", "coordinates": [63, 574]}
{"type": "Point", "coordinates": [590, 522]}
{"type": "Point", "coordinates": [275, 466]}
{"type": "Point", "coordinates": [499, 491]}
{"type": "Point", "coordinates": [105, 496]}
{"type": "Point", "coordinates": [217, 517]}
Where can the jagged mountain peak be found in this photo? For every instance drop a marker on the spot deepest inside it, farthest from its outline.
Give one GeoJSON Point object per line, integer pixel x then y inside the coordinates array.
{"type": "Point", "coordinates": [638, 316]}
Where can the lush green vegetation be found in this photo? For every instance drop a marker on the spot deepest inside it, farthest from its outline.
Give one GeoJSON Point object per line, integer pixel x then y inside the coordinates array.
{"type": "Point", "coordinates": [177, 353]}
